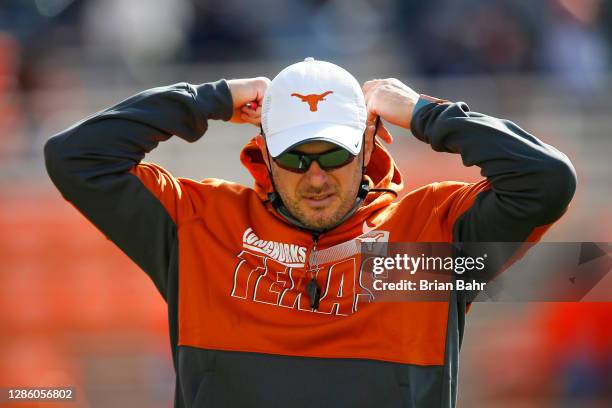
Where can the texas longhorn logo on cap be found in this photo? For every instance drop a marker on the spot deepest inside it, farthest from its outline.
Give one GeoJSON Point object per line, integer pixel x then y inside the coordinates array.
{"type": "Point", "coordinates": [313, 99]}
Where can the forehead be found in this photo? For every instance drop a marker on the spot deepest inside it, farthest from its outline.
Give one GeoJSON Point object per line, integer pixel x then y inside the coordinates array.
{"type": "Point", "coordinates": [316, 146]}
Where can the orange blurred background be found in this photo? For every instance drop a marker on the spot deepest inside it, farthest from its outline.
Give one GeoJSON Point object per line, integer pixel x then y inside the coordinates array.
{"type": "Point", "coordinates": [77, 312]}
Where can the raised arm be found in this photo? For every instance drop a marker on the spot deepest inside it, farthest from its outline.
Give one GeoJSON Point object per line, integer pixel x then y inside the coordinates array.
{"type": "Point", "coordinates": [529, 183]}
{"type": "Point", "coordinates": [96, 164]}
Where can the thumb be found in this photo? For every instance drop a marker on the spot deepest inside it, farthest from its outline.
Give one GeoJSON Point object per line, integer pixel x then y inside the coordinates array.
{"type": "Point", "coordinates": [384, 133]}
{"type": "Point", "coordinates": [261, 85]}
{"type": "Point", "coordinates": [371, 120]}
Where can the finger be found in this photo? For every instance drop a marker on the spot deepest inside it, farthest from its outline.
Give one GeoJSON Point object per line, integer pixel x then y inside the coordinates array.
{"type": "Point", "coordinates": [251, 112]}
{"type": "Point", "coordinates": [384, 133]}
{"type": "Point", "coordinates": [372, 114]}
{"type": "Point", "coordinates": [253, 105]}
{"type": "Point", "coordinates": [370, 101]}
{"type": "Point", "coordinates": [371, 121]}
{"type": "Point", "coordinates": [367, 95]}
{"type": "Point", "coordinates": [248, 119]}
{"type": "Point", "coordinates": [262, 86]}
{"type": "Point", "coordinates": [370, 129]}
{"type": "Point", "coordinates": [370, 84]}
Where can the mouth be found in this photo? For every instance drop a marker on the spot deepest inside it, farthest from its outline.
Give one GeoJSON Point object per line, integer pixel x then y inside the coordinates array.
{"type": "Point", "coordinates": [319, 200]}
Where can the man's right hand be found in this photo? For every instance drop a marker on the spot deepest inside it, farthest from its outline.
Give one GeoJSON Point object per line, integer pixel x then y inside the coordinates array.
{"type": "Point", "coordinates": [245, 91]}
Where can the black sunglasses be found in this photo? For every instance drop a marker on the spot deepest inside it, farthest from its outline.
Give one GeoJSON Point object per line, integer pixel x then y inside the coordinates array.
{"type": "Point", "coordinates": [299, 162]}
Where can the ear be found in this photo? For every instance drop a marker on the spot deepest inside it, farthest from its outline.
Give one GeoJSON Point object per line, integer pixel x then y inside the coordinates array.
{"type": "Point", "coordinates": [261, 143]}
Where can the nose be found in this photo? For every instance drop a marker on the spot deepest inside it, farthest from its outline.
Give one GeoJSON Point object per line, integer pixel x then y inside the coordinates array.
{"type": "Point", "coordinates": [317, 177]}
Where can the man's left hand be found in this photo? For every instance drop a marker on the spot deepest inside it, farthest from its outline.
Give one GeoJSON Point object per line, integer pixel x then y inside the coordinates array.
{"type": "Point", "coordinates": [390, 99]}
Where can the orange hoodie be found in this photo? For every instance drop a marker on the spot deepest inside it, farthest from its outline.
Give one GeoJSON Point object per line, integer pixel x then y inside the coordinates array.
{"type": "Point", "coordinates": [244, 265]}
{"type": "Point", "coordinates": [234, 272]}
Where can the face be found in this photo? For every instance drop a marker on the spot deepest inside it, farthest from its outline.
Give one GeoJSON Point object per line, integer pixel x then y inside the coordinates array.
{"type": "Point", "coordinates": [318, 198]}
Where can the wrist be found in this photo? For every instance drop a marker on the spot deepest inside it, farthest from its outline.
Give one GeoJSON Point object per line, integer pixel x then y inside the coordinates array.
{"type": "Point", "coordinates": [425, 100]}
{"type": "Point", "coordinates": [215, 100]}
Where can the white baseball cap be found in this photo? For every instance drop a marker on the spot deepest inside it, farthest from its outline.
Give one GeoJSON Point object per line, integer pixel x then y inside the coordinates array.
{"type": "Point", "coordinates": [313, 100]}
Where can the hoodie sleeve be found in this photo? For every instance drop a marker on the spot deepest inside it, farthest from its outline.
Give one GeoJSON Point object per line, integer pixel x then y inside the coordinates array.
{"type": "Point", "coordinates": [529, 184]}
{"type": "Point", "coordinates": [96, 165]}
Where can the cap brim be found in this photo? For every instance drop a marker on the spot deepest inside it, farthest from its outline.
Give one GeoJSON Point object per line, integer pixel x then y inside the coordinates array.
{"type": "Point", "coordinates": [344, 136]}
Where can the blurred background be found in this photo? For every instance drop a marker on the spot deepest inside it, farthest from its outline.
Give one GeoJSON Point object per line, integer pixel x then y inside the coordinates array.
{"type": "Point", "coordinates": [76, 312]}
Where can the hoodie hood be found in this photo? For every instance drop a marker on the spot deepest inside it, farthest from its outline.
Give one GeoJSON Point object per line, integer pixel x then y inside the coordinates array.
{"type": "Point", "coordinates": [381, 173]}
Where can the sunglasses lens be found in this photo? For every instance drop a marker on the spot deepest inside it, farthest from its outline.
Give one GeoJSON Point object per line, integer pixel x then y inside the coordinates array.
{"type": "Point", "coordinates": [300, 163]}
{"type": "Point", "coordinates": [334, 159]}
{"type": "Point", "coordinates": [291, 161]}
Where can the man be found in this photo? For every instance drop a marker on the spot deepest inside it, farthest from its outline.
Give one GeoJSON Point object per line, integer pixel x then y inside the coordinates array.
{"type": "Point", "coordinates": [263, 283]}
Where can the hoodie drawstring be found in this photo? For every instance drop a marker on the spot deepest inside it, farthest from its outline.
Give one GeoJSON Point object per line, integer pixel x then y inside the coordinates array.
{"type": "Point", "coordinates": [313, 289]}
